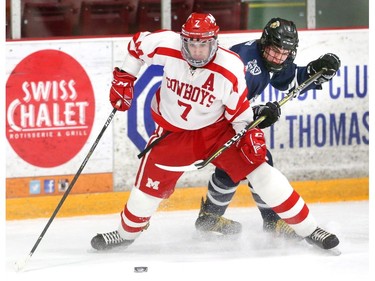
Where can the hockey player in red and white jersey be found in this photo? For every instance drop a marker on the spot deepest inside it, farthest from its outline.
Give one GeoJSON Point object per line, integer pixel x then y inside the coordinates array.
{"type": "Point", "coordinates": [200, 105]}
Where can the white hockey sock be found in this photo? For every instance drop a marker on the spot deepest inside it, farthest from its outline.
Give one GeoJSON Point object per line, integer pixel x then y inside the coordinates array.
{"type": "Point", "coordinates": [137, 213]}
{"type": "Point", "coordinates": [274, 189]}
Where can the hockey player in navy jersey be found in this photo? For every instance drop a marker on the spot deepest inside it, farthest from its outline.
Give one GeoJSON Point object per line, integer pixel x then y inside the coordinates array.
{"type": "Point", "coordinates": [268, 60]}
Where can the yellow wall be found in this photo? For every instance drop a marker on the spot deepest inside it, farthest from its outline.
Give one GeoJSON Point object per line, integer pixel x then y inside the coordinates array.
{"type": "Point", "coordinates": [182, 199]}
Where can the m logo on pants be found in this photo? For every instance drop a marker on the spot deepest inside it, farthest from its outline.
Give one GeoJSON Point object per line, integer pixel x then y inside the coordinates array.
{"type": "Point", "coordinates": [153, 184]}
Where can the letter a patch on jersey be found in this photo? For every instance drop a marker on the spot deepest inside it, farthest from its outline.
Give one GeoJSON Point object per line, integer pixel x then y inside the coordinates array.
{"type": "Point", "coordinates": [209, 84]}
{"type": "Point", "coordinates": [152, 184]}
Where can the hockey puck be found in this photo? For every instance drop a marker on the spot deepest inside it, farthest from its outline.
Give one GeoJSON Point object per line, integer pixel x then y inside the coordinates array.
{"type": "Point", "coordinates": [140, 269]}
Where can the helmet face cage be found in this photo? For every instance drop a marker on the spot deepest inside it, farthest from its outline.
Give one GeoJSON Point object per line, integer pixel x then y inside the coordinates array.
{"type": "Point", "coordinates": [211, 44]}
{"type": "Point", "coordinates": [282, 34]}
{"type": "Point", "coordinates": [199, 31]}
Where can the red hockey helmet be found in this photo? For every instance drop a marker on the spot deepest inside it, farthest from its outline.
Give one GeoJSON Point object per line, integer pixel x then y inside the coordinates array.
{"type": "Point", "coordinates": [199, 32]}
{"type": "Point", "coordinates": [200, 26]}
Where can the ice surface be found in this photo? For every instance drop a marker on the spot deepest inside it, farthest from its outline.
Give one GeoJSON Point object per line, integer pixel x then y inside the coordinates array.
{"type": "Point", "coordinates": [172, 250]}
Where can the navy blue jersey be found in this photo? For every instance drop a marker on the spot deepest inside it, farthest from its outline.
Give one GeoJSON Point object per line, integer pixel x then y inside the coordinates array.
{"type": "Point", "coordinates": [258, 77]}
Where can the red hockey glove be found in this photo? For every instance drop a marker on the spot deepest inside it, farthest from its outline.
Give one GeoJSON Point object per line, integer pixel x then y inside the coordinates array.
{"type": "Point", "coordinates": [253, 146]}
{"type": "Point", "coordinates": [122, 89]}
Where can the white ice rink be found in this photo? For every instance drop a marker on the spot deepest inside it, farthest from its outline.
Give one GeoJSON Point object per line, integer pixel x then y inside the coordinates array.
{"type": "Point", "coordinates": [172, 250]}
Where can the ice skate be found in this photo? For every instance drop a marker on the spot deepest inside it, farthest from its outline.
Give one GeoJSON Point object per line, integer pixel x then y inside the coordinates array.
{"type": "Point", "coordinates": [208, 222]}
{"type": "Point", "coordinates": [109, 240]}
{"type": "Point", "coordinates": [280, 229]}
{"type": "Point", "coordinates": [322, 239]}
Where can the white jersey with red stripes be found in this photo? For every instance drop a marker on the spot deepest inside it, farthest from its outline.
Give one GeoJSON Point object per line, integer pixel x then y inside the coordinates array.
{"type": "Point", "coordinates": [191, 98]}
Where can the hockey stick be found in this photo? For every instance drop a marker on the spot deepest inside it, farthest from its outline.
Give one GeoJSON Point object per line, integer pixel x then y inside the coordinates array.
{"type": "Point", "coordinates": [151, 145]}
{"type": "Point", "coordinates": [203, 163]}
{"type": "Point", "coordinates": [20, 264]}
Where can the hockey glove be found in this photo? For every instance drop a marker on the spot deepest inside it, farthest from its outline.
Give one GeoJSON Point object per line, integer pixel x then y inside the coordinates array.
{"type": "Point", "coordinates": [253, 146]}
{"type": "Point", "coordinates": [272, 112]}
{"type": "Point", "coordinates": [122, 89]}
{"type": "Point", "coordinates": [329, 61]}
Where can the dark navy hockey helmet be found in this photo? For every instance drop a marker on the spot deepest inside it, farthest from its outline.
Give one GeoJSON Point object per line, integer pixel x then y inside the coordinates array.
{"type": "Point", "coordinates": [281, 34]}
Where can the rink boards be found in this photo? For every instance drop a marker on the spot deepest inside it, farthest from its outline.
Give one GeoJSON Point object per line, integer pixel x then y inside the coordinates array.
{"type": "Point", "coordinates": [182, 199]}
{"type": "Point", "coordinates": [57, 103]}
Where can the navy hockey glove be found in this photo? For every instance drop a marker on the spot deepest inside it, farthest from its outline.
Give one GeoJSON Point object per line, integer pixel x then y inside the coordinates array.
{"type": "Point", "coordinates": [272, 112]}
{"type": "Point", "coordinates": [122, 89]}
{"type": "Point", "coordinates": [329, 61]}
